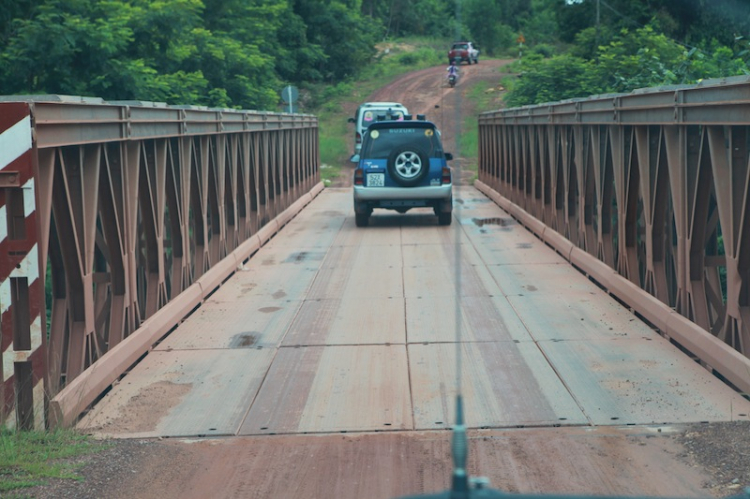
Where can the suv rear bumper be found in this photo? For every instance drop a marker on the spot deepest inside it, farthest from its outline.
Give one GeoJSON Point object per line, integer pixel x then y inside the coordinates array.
{"type": "Point", "coordinates": [402, 193]}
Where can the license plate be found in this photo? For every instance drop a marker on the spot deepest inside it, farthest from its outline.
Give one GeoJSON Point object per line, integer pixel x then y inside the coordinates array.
{"type": "Point", "coordinates": [376, 180]}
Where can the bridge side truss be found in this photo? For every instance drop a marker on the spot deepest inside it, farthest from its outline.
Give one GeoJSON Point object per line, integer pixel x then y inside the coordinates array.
{"type": "Point", "coordinates": [125, 217]}
{"type": "Point", "coordinates": [656, 187]}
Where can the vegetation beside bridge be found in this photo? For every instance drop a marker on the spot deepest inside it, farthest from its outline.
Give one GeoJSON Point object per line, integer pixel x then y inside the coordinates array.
{"type": "Point", "coordinates": [238, 54]}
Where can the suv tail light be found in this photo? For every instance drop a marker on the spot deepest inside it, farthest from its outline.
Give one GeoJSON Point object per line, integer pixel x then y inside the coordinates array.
{"type": "Point", "coordinates": [446, 178]}
{"type": "Point", "coordinates": [359, 176]}
{"type": "Point", "coordinates": [358, 138]}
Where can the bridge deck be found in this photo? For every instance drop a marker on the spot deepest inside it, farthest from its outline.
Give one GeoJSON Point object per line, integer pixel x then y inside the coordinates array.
{"type": "Point", "coordinates": [333, 328]}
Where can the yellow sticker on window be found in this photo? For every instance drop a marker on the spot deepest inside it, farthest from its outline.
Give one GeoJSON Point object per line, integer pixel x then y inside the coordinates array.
{"type": "Point", "coordinates": [374, 134]}
{"type": "Point", "coordinates": [428, 133]}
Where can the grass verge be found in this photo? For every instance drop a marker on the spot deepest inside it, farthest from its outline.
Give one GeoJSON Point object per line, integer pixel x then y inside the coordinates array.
{"type": "Point", "coordinates": [484, 97]}
{"type": "Point", "coordinates": [30, 458]}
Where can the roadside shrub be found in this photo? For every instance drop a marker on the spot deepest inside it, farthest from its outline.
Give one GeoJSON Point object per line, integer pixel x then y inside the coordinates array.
{"type": "Point", "coordinates": [546, 80]}
{"type": "Point", "coordinates": [543, 49]}
{"type": "Point", "coordinates": [422, 57]}
{"type": "Point", "coordinates": [408, 59]}
{"type": "Point", "coordinates": [639, 59]}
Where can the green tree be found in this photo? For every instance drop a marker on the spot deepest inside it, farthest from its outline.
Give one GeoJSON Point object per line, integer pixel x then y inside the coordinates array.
{"type": "Point", "coordinates": [716, 62]}
{"type": "Point", "coordinates": [573, 18]}
{"type": "Point", "coordinates": [67, 47]}
{"type": "Point", "coordinates": [490, 36]}
{"type": "Point", "coordinates": [146, 50]}
{"type": "Point", "coordinates": [412, 17]}
{"type": "Point", "coordinates": [9, 11]}
{"type": "Point", "coordinates": [346, 37]}
{"type": "Point", "coordinates": [297, 59]}
{"type": "Point", "coordinates": [539, 25]}
{"type": "Point", "coordinates": [557, 78]}
{"type": "Point", "coordinates": [638, 59]}
{"type": "Point", "coordinates": [424, 18]}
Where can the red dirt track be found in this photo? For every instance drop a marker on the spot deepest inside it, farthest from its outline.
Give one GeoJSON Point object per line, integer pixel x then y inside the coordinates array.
{"type": "Point", "coordinates": [427, 92]}
{"type": "Point", "coordinates": [604, 461]}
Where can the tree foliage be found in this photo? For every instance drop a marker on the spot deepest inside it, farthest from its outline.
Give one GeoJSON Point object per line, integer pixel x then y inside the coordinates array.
{"type": "Point", "coordinates": [632, 59]}
{"type": "Point", "coordinates": [561, 77]}
{"type": "Point", "coordinates": [225, 53]}
{"type": "Point", "coordinates": [240, 53]}
{"type": "Point", "coordinates": [489, 36]}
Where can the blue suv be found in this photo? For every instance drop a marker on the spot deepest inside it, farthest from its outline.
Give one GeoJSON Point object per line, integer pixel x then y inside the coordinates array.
{"type": "Point", "coordinates": [402, 165]}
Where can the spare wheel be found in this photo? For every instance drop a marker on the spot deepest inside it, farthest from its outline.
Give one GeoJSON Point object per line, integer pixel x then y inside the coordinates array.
{"type": "Point", "coordinates": [408, 165]}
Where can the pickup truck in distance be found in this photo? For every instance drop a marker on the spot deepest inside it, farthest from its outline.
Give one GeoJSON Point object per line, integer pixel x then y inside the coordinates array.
{"type": "Point", "coordinates": [463, 51]}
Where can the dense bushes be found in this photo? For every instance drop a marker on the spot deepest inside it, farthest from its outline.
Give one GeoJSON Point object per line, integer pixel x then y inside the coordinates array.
{"type": "Point", "coordinates": [240, 53]}
{"type": "Point", "coordinates": [632, 59]}
{"type": "Point", "coordinates": [227, 53]}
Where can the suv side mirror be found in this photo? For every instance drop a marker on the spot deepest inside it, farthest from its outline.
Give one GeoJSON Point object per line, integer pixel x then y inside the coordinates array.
{"type": "Point", "coordinates": [350, 120]}
{"type": "Point", "coordinates": [449, 156]}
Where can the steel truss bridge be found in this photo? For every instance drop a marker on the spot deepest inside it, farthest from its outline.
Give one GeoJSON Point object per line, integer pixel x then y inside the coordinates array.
{"type": "Point", "coordinates": [128, 214]}
{"type": "Point", "coordinates": [647, 193]}
{"type": "Point", "coordinates": [119, 219]}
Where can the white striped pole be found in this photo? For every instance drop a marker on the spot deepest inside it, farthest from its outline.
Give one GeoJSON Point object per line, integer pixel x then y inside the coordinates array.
{"type": "Point", "coordinates": [22, 363]}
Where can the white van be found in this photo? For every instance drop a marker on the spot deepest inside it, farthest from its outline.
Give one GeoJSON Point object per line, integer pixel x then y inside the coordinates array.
{"type": "Point", "coordinates": [367, 114]}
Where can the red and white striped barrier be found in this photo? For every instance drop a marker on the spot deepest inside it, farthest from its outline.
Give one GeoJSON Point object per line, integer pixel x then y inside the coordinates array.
{"type": "Point", "coordinates": [22, 363]}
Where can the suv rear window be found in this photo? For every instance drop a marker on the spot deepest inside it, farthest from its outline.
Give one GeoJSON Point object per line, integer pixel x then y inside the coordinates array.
{"type": "Point", "coordinates": [381, 142]}
{"type": "Point", "coordinates": [371, 115]}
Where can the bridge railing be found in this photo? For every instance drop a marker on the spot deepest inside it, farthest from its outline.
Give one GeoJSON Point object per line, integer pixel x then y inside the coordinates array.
{"type": "Point", "coordinates": [649, 194]}
{"type": "Point", "coordinates": [116, 221]}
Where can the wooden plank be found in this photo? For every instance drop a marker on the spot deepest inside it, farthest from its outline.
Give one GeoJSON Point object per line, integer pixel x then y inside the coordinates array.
{"type": "Point", "coordinates": [336, 199]}
{"type": "Point", "coordinates": [422, 229]}
{"type": "Point", "coordinates": [641, 381]}
{"type": "Point", "coordinates": [416, 217]}
{"type": "Point", "coordinates": [440, 280]}
{"type": "Point", "coordinates": [431, 255]}
{"type": "Point", "coordinates": [333, 389]}
{"type": "Point", "coordinates": [250, 322]}
{"type": "Point", "coordinates": [542, 279]}
{"type": "Point", "coordinates": [577, 315]}
{"type": "Point", "coordinates": [351, 235]}
{"type": "Point", "coordinates": [504, 384]}
{"type": "Point", "coordinates": [483, 318]}
{"type": "Point", "coordinates": [349, 321]}
{"type": "Point", "coordinates": [355, 331]}
{"type": "Point", "coordinates": [371, 279]}
{"type": "Point", "coordinates": [516, 250]}
{"type": "Point", "coordinates": [299, 257]}
{"type": "Point", "coordinates": [181, 393]}
{"type": "Point", "coordinates": [278, 281]}
{"type": "Point", "coordinates": [316, 229]}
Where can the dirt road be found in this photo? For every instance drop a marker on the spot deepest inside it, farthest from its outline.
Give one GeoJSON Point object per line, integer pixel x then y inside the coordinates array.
{"type": "Point", "coordinates": [427, 92]}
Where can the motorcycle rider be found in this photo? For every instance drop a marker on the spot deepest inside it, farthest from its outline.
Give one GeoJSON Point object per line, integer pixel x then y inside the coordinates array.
{"type": "Point", "coordinates": [452, 71]}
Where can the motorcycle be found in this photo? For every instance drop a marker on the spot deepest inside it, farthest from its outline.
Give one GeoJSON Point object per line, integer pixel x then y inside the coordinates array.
{"type": "Point", "coordinates": [452, 80]}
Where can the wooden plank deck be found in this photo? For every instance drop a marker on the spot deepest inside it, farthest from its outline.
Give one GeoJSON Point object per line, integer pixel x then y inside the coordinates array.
{"type": "Point", "coordinates": [333, 328]}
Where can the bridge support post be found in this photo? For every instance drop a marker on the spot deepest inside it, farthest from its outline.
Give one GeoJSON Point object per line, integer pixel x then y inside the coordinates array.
{"type": "Point", "coordinates": [22, 325]}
